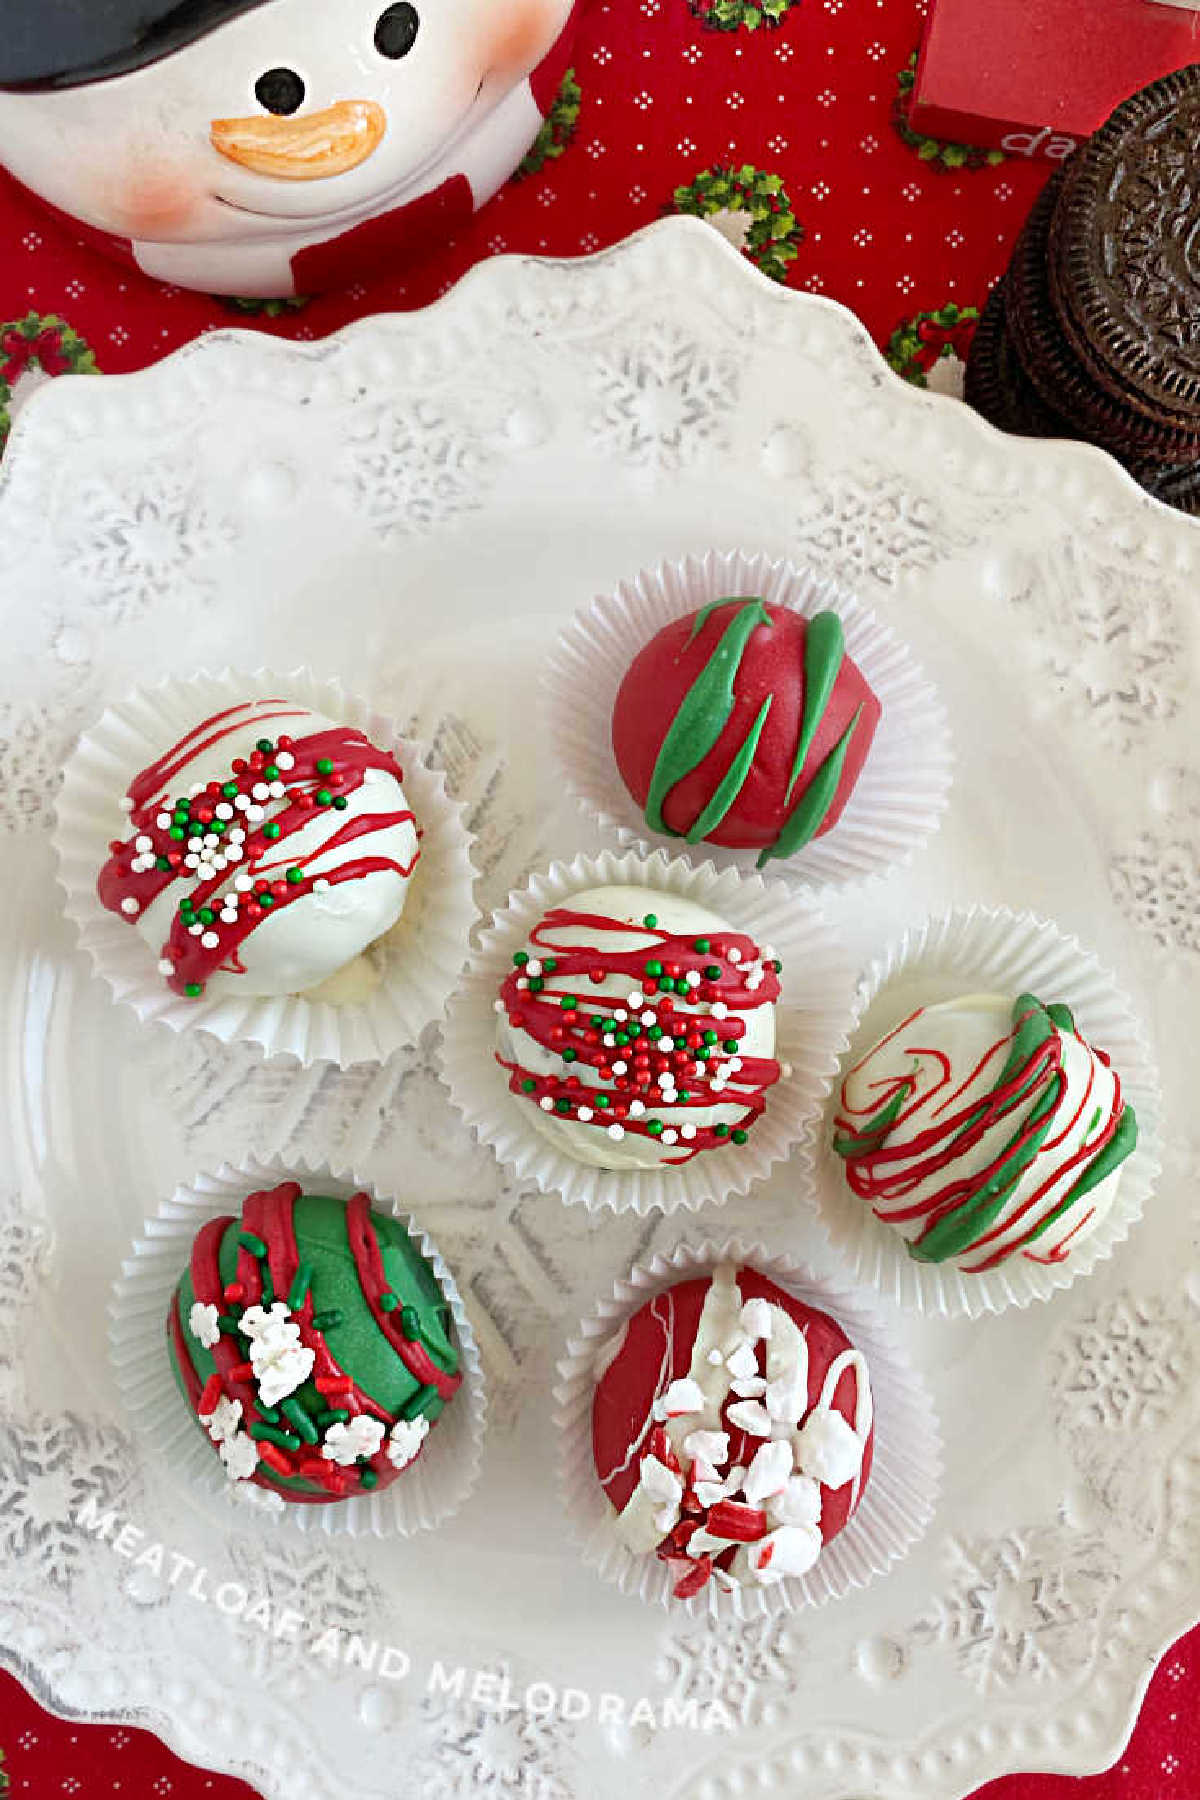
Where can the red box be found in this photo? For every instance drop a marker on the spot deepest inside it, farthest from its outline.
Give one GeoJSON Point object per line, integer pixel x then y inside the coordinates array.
{"type": "Point", "coordinates": [1033, 77]}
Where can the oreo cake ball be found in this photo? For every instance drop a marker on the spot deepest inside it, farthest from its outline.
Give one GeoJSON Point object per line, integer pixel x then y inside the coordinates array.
{"type": "Point", "coordinates": [984, 1129]}
{"type": "Point", "coordinates": [745, 725]}
{"type": "Point", "coordinates": [732, 1430]}
{"type": "Point", "coordinates": [638, 1029]}
{"type": "Point", "coordinates": [313, 1344]}
{"type": "Point", "coordinates": [266, 850]}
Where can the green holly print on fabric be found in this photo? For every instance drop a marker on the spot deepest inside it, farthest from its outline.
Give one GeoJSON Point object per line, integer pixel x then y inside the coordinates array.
{"type": "Point", "coordinates": [749, 207]}
{"type": "Point", "coordinates": [921, 342]}
{"type": "Point", "coordinates": [732, 15]}
{"type": "Point", "coordinates": [949, 157]}
{"type": "Point", "coordinates": [558, 128]}
{"type": "Point", "coordinates": [39, 341]}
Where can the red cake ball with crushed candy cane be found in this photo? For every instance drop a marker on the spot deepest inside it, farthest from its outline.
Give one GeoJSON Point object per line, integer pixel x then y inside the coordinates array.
{"type": "Point", "coordinates": [265, 850]}
{"type": "Point", "coordinates": [744, 724]}
{"type": "Point", "coordinates": [732, 1430]}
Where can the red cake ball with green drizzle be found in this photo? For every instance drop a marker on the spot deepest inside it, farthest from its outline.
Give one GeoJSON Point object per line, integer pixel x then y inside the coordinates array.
{"type": "Point", "coordinates": [746, 725]}
{"type": "Point", "coordinates": [313, 1344]}
{"type": "Point", "coordinates": [733, 1431]}
{"type": "Point", "coordinates": [637, 1029]}
{"type": "Point", "coordinates": [266, 849]}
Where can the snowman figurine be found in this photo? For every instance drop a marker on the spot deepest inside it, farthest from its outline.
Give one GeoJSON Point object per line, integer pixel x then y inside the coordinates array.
{"type": "Point", "coordinates": [269, 148]}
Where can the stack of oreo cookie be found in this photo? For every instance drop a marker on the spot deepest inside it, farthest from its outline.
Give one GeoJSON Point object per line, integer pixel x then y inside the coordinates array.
{"type": "Point", "coordinates": [1094, 331]}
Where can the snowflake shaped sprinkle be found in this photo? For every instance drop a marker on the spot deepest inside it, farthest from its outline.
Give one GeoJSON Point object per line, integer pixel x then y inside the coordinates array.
{"type": "Point", "coordinates": [281, 1362]}
{"type": "Point", "coordinates": [224, 1419]}
{"type": "Point", "coordinates": [203, 1324]}
{"type": "Point", "coordinates": [239, 1453]}
{"type": "Point", "coordinates": [406, 1439]}
{"type": "Point", "coordinates": [345, 1444]}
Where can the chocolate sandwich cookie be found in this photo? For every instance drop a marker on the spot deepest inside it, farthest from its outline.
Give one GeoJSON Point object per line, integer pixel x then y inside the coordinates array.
{"type": "Point", "coordinates": [1095, 403]}
{"type": "Point", "coordinates": [996, 384]}
{"type": "Point", "coordinates": [1175, 484]}
{"type": "Point", "coordinates": [1125, 248]}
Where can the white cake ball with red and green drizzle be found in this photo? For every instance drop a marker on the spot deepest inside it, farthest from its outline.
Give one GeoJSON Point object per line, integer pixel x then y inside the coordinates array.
{"type": "Point", "coordinates": [269, 847]}
{"type": "Point", "coordinates": [638, 1028]}
{"type": "Point", "coordinates": [732, 1431]}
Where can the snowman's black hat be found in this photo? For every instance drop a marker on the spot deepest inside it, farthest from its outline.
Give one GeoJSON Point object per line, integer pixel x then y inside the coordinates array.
{"type": "Point", "coordinates": [65, 43]}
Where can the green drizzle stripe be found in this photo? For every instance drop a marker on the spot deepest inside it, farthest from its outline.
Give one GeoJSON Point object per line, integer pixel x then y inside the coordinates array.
{"type": "Point", "coordinates": [974, 1216]}
{"type": "Point", "coordinates": [815, 802]}
{"type": "Point", "coordinates": [704, 710]}
{"type": "Point", "coordinates": [705, 614]}
{"type": "Point", "coordinates": [734, 779]}
{"type": "Point", "coordinates": [824, 652]}
{"type": "Point", "coordinates": [1120, 1145]}
{"type": "Point", "coordinates": [868, 1138]}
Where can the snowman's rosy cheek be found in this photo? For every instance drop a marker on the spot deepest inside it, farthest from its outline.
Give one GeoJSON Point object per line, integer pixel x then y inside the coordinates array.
{"type": "Point", "coordinates": [520, 35]}
{"type": "Point", "coordinates": [148, 201]}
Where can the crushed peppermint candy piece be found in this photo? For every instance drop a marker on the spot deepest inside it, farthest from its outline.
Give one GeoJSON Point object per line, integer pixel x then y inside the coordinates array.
{"type": "Point", "coordinates": [682, 1396]}
{"type": "Point", "coordinates": [788, 1550]}
{"type": "Point", "coordinates": [752, 1388]}
{"type": "Point", "coordinates": [752, 1417]}
{"type": "Point", "coordinates": [770, 1468]}
{"type": "Point", "coordinates": [665, 1490]}
{"type": "Point", "coordinates": [787, 1397]}
{"type": "Point", "coordinates": [711, 1447]}
{"type": "Point", "coordinates": [345, 1444]}
{"type": "Point", "coordinates": [798, 1502]}
{"type": "Point", "coordinates": [743, 1364]}
{"type": "Point", "coordinates": [203, 1323]}
{"type": "Point", "coordinates": [407, 1436]}
{"type": "Point", "coordinates": [755, 1319]}
{"type": "Point", "coordinates": [828, 1449]}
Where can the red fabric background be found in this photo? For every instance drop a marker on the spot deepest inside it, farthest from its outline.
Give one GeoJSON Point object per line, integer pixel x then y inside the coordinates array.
{"type": "Point", "coordinates": [663, 99]}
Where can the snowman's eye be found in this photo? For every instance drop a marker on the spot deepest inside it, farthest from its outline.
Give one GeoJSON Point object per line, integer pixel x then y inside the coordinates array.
{"type": "Point", "coordinates": [396, 32]}
{"type": "Point", "coordinates": [280, 91]}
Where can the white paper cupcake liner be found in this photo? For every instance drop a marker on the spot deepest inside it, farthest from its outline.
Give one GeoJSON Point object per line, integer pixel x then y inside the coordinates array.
{"type": "Point", "coordinates": [975, 950]}
{"type": "Point", "coordinates": [898, 1501]}
{"type": "Point", "coordinates": [811, 1017]}
{"type": "Point", "coordinates": [425, 1494]}
{"type": "Point", "coordinates": [418, 960]}
{"type": "Point", "coordinates": [901, 794]}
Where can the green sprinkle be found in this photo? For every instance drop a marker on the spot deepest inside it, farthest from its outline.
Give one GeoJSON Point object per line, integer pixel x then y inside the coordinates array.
{"type": "Point", "coordinates": [206, 915]}
{"type": "Point", "coordinates": [271, 772]}
{"type": "Point", "coordinates": [324, 765]}
{"type": "Point", "coordinates": [598, 1021]}
{"type": "Point", "coordinates": [410, 1323]}
{"type": "Point", "coordinates": [654, 968]}
{"type": "Point", "coordinates": [298, 1292]}
{"type": "Point", "coordinates": [415, 1406]}
{"type": "Point", "coordinates": [573, 1055]}
{"type": "Point", "coordinates": [367, 1478]}
{"type": "Point", "coordinates": [194, 989]}
{"type": "Point", "coordinates": [681, 986]}
{"type": "Point", "coordinates": [271, 1434]}
{"type": "Point", "coordinates": [178, 833]}
{"type": "Point", "coordinates": [521, 957]}
{"type": "Point", "coordinates": [549, 963]}
{"type": "Point", "coordinates": [684, 1095]}
{"type": "Point", "coordinates": [160, 862]}
{"type": "Point", "coordinates": [230, 1324]}
{"type": "Point", "coordinates": [268, 1286]}
{"type": "Point", "coordinates": [340, 803]}
{"type": "Point", "coordinates": [730, 1045]}
{"type": "Point", "coordinates": [655, 1127]}
{"type": "Point", "coordinates": [621, 1037]}
{"type": "Point", "coordinates": [324, 797]}
{"type": "Point", "coordinates": [654, 1032]}
{"type": "Point", "coordinates": [651, 919]}
{"type": "Point", "coordinates": [388, 1302]}
{"type": "Point", "coordinates": [739, 1137]}
{"type": "Point", "coordinates": [265, 899]}
{"type": "Point", "coordinates": [562, 1106]}
{"type": "Point", "coordinates": [334, 1415]}
{"type": "Point", "coordinates": [666, 985]}
{"type": "Point", "coordinates": [711, 972]}
{"type": "Point", "coordinates": [776, 965]}
{"type": "Point", "coordinates": [710, 1037]}
{"type": "Point", "coordinates": [602, 1101]}
{"type": "Point", "coordinates": [270, 1414]}
{"type": "Point", "coordinates": [528, 1087]}
{"type": "Point", "coordinates": [569, 1003]}
{"type": "Point", "coordinates": [230, 790]}
{"type": "Point", "coordinates": [720, 1131]}
{"type": "Point", "coordinates": [536, 984]}
{"type": "Point", "coordinates": [272, 831]}
{"type": "Point", "coordinates": [703, 945]}
{"type": "Point", "coordinates": [299, 1420]}
{"type": "Point", "coordinates": [325, 1321]}
{"type": "Point", "coordinates": [295, 876]}
{"type": "Point", "coordinates": [265, 745]}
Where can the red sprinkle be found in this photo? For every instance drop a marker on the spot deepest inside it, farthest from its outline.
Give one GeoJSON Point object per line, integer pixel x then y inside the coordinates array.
{"type": "Point", "coordinates": [275, 1458]}
{"type": "Point", "coordinates": [235, 1293]}
{"type": "Point", "coordinates": [211, 1393]}
{"type": "Point", "coordinates": [242, 1371]}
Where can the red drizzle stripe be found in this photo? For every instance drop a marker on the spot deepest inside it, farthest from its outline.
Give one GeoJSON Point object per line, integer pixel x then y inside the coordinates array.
{"type": "Point", "coordinates": [368, 1262]}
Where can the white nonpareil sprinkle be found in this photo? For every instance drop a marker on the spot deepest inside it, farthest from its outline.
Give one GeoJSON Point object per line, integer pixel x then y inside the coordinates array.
{"type": "Point", "coordinates": [666, 1079]}
{"type": "Point", "coordinates": [197, 787]}
{"type": "Point", "coordinates": [211, 839]}
{"type": "Point", "coordinates": [719, 1010]}
{"type": "Point", "coordinates": [693, 978]}
{"type": "Point", "coordinates": [634, 1000]}
{"type": "Point", "coordinates": [620, 1067]}
{"type": "Point", "coordinates": [210, 940]}
{"type": "Point", "coordinates": [166, 967]}
{"type": "Point", "coordinates": [195, 844]}
{"type": "Point", "coordinates": [585, 1115]}
{"type": "Point", "coordinates": [609, 1041]}
{"type": "Point", "coordinates": [546, 1103]}
{"type": "Point", "coordinates": [687, 1131]}
{"type": "Point", "coordinates": [666, 1045]}
{"type": "Point", "coordinates": [277, 790]}
{"type": "Point", "coordinates": [284, 759]}
{"type": "Point", "coordinates": [163, 821]}
{"type": "Point", "coordinates": [125, 804]}
{"type": "Point", "coordinates": [828, 1449]}
{"type": "Point", "coordinates": [770, 1469]}
{"type": "Point", "coordinates": [243, 883]}
{"type": "Point", "coordinates": [196, 930]}
{"type": "Point", "coordinates": [522, 984]}
{"type": "Point", "coordinates": [255, 815]}
{"type": "Point", "coordinates": [669, 1136]}
{"type": "Point", "coordinates": [533, 966]}
{"type": "Point", "coordinates": [715, 1358]}
{"type": "Point", "coordinates": [681, 1397]}
{"type": "Point", "coordinates": [129, 905]}
{"type": "Point", "coordinates": [734, 955]}
{"type": "Point", "coordinates": [616, 1133]}
{"type": "Point", "coordinates": [752, 1417]}
{"type": "Point", "coordinates": [711, 1447]}
{"type": "Point", "coordinates": [143, 843]}
{"type": "Point", "coordinates": [242, 803]}
{"type": "Point", "coordinates": [620, 1015]}
{"type": "Point", "coordinates": [321, 886]}
{"type": "Point", "coordinates": [755, 1319]}
{"type": "Point", "coordinates": [637, 1109]}
{"type": "Point", "coordinates": [223, 811]}
{"type": "Point", "coordinates": [649, 1018]}
{"type": "Point", "coordinates": [261, 790]}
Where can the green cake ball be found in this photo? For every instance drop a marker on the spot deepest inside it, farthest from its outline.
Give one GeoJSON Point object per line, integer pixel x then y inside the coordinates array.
{"type": "Point", "coordinates": [313, 1343]}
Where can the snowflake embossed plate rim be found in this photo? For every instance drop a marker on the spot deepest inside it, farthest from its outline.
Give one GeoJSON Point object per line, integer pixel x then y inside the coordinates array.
{"type": "Point", "coordinates": [480, 471]}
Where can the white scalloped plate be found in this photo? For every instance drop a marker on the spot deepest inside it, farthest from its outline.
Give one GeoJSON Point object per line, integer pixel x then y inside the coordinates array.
{"type": "Point", "coordinates": [415, 507]}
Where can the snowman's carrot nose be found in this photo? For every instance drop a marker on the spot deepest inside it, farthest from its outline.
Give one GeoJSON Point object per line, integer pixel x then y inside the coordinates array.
{"type": "Point", "coordinates": [308, 147]}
